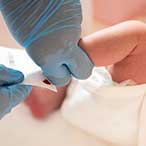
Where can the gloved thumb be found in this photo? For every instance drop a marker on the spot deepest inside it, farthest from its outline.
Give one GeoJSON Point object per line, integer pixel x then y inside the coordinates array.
{"type": "Point", "coordinates": [9, 76]}
{"type": "Point", "coordinates": [80, 64]}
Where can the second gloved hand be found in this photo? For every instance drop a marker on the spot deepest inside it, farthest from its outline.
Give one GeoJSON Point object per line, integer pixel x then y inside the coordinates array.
{"type": "Point", "coordinates": [50, 32]}
{"type": "Point", "coordinates": [11, 93]}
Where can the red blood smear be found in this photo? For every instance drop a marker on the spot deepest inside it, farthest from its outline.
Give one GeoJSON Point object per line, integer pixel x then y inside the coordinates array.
{"type": "Point", "coordinates": [46, 82]}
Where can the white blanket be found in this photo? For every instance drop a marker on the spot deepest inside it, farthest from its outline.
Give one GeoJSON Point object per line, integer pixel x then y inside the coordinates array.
{"type": "Point", "coordinates": [19, 128]}
{"type": "Point", "coordinates": [113, 114]}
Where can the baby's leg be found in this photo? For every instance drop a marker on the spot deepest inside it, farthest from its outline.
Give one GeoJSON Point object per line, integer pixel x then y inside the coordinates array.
{"type": "Point", "coordinates": [123, 47]}
{"type": "Point", "coordinates": [42, 102]}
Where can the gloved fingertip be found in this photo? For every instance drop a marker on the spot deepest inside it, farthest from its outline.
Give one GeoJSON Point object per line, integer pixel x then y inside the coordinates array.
{"type": "Point", "coordinates": [18, 76]}
{"type": "Point", "coordinates": [10, 76]}
{"type": "Point", "coordinates": [80, 66]}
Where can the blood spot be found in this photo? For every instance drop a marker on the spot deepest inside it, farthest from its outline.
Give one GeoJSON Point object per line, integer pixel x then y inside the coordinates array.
{"type": "Point", "coordinates": [46, 82]}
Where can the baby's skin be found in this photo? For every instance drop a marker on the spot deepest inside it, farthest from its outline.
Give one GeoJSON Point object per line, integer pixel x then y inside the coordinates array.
{"type": "Point", "coordinates": [121, 47]}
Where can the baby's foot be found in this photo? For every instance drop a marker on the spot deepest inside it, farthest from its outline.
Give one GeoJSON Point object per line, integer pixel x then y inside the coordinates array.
{"type": "Point", "coordinates": [42, 102]}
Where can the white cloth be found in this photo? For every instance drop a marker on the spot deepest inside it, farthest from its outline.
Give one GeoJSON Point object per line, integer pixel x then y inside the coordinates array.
{"type": "Point", "coordinates": [19, 128]}
{"type": "Point", "coordinates": [114, 114]}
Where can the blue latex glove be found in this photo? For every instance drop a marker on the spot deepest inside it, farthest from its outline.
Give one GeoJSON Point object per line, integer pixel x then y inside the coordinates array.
{"type": "Point", "coordinates": [11, 93]}
{"type": "Point", "coordinates": [50, 32]}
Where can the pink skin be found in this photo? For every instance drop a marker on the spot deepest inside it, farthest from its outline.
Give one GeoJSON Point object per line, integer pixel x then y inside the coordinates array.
{"type": "Point", "coordinates": [121, 47]}
{"type": "Point", "coordinates": [42, 101]}
{"type": "Point", "coordinates": [115, 11]}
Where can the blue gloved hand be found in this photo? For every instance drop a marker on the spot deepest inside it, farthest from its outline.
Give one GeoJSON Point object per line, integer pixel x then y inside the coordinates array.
{"type": "Point", "coordinates": [11, 93]}
{"type": "Point", "coordinates": [50, 32]}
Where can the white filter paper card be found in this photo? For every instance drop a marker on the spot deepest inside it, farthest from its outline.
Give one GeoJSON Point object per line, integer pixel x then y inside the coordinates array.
{"type": "Point", "coordinates": [19, 60]}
